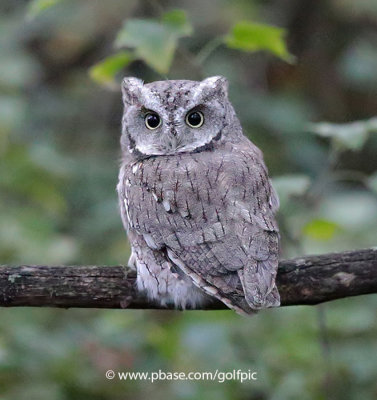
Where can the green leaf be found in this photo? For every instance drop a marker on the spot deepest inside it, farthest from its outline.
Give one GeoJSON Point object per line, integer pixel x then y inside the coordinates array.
{"type": "Point", "coordinates": [357, 66]}
{"type": "Point", "coordinates": [351, 136]}
{"type": "Point", "coordinates": [354, 210]}
{"type": "Point", "coordinates": [291, 185]}
{"type": "Point", "coordinates": [251, 37]}
{"type": "Point", "coordinates": [104, 72]}
{"type": "Point", "coordinates": [288, 186]}
{"type": "Point", "coordinates": [321, 229]}
{"type": "Point", "coordinates": [155, 41]}
{"type": "Point", "coordinates": [38, 6]}
{"type": "Point", "coordinates": [177, 20]}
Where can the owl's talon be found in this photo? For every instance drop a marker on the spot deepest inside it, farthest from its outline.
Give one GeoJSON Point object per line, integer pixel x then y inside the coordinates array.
{"type": "Point", "coordinates": [125, 302]}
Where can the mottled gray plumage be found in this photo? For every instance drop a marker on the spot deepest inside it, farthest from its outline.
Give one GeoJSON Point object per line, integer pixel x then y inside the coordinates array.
{"type": "Point", "coordinates": [197, 203]}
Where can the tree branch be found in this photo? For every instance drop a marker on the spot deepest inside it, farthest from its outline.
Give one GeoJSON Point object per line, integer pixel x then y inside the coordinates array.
{"type": "Point", "coordinates": [306, 280]}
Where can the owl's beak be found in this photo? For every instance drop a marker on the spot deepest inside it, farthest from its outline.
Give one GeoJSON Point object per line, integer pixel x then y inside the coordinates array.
{"type": "Point", "coordinates": [173, 141]}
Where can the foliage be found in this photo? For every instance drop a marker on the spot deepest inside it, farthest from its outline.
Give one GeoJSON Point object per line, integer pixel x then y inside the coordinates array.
{"type": "Point", "coordinates": [38, 6]}
{"type": "Point", "coordinates": [252, 37]}
{"type": "Point", "coordinates": [321, 229]}
{"type": "Point", "coordinates": [104, 71]}
{"type": "Point", "coordinates": [155, 41]}
{"type": "Point", "coordinates": [59, 154]}
{"type": "Point", "coordinates": [350, 136]}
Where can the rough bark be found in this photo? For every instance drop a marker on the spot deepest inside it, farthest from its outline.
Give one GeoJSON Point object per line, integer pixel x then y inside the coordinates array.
{"type": "Point", "coordinates": [306, 280]}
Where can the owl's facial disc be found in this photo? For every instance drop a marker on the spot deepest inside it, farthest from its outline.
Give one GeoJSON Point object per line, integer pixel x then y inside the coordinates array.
{"type": "Point", "coordinates": [169, 117]}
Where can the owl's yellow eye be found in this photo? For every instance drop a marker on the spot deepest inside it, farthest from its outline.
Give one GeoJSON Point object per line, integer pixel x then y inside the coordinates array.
{"type": "Point", "coordinates": [152, 121]}
{"type": "Point", "coordinates": [195, 119]}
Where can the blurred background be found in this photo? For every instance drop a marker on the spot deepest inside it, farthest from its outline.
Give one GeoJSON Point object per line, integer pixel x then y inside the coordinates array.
{"type": "Point", "coordinates": [303, 81]}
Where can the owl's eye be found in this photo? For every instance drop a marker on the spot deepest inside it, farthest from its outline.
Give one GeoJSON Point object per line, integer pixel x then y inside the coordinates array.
{"type": "Point", "coordinates": [195, 119]}
{"type": "Point", "coordinates": [152, 121]}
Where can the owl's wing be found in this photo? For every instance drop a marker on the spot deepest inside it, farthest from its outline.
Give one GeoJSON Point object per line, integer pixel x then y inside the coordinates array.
{"type": "Point", "coordinates": [213, 216]}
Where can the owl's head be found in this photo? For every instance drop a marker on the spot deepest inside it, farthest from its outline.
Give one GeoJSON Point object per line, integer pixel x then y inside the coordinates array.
{"type": "Point", "coordinates": [169, 117]}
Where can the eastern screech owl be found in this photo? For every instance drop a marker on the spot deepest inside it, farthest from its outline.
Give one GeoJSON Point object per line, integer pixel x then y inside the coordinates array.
{"type": "Point", "coordinates": [195, 197]}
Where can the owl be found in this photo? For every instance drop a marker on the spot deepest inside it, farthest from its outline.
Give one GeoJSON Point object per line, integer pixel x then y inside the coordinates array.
{"type": "Point", "coordinates": [195, 198]}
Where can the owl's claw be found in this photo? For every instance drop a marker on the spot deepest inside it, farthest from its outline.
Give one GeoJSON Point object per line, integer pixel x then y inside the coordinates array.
{"type": "Point", "coordinates": [125, 302]}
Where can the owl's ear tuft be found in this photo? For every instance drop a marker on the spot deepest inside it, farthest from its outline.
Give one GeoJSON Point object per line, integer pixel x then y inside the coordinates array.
{"type": "Point", "coordinates": [214, 86]}
{"type": "Point", "coordinates": [131, 90]}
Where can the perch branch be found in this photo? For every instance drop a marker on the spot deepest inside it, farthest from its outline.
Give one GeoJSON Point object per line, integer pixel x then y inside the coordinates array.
{"type": "Point", "coordinates": [306, 280]}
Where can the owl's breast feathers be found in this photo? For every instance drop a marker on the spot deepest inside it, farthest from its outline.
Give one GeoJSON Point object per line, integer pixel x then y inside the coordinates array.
{"type": "Point", "coordinates": [212, 213]}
